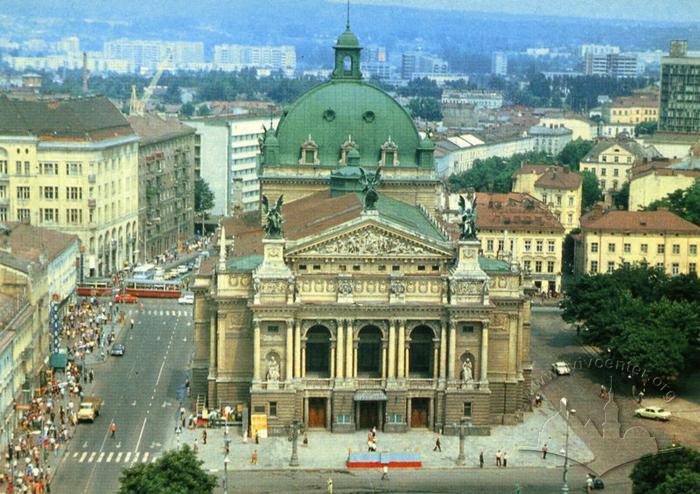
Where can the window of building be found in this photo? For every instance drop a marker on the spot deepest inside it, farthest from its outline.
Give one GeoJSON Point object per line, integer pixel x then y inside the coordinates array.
{"type": "Point", "coordinates": [594, 246]}
{"type": "Point", "coordinates": [611, 247]}
{"type": "Point", "coordinates": [501, 245]}
{"type": "Point", "coordinates": [644, 248]}
{"type": "Point", "coordinates": [302, 267]}
{"type": "Point", "coordinates": [602, 184]}
{"type": "Point", "coordinates": [74, 216]}
{"type": "Point", "coordinates": [3, 167]}
{"type": "Point", "coordinates": [627, 248]}
{"type": "Point", "coordinates": [692, 268]}
{"type": "Point", "coordinates": [594, 266]}
{"type": "Point", "coordinates": [342, 267]}
{"type": "Point", "coordinates": [395, 267]}
{"type": "Point", "coordinates": [611, 266]}
{"type": "Point", "coordinates": [571, 201]}
{"type": "Point", "coordinates": [660, 266]}
{"type": "Point", "coordinates": [436, 267]}
{"type": "Point", "coordinates": [259, 409]}
{"type": "Point", "coordinates": [3, 214]}
{"type": "Point", "coordinates": [50, 193]}
{"type": "Point", "coordinates": [675, 268]}
{"type": "Point", "coordinates": [550, 246]}
{"type": "Point", "coordinates": [538, 266]}
{"type": "Point", "coordinates": [526, 266]}
{"type": "Point", "coordinates": [74, 193]}
{"type": "Point", "coordinates": [356, 267]}
{"type": "Point", "coordinates": [467, 328]}
{"type": "Point", "coordinates": [273, 409]}
{"type": "Point", "coordinates": [421, 268]}
{"type": "Point", "coordinates": [273, 328]}
{"type": "Point", "coordinates": [316, 267]}
{"type": "Point", "coordinates": [603, 172]}
{"type": "Point", "coordinates": [616, 172]}
{"type": "Point", "coordinates": [550, 266]}
{"type": "Point", "coordinates": [528, 245]}
{"type": "Point", "coordinates": [614, 185]}
{"type": "Point", "coordinates": [489, 245]}
{"type": "Point", "coordinates": [617, 159]}
{"type": "Point", "coordinates": [48, 215]}
{"type": "Point", "coordinates": [539, 246]}
{"type": "Point", "coordinates": [22, 192]}
{"type": "Point", "coordinates": [676, 249]}
{"type": "Point", "coordinates": [467, 409]}
{"type": "Point", "coordinates": [693, 249]}
{"type": "Point", "coordinates": [558, 200]}
{"type": "Point", "coordinates": [381, 267]}
{"type": "Point", "coordinates": [660, 249]}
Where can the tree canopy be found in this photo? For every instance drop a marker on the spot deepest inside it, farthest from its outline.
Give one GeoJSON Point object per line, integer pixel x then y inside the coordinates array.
{"type": "Point", "coordinates": [176, 472]}
{"type": "Point", "coordinates": [203, 196]}
{"type": "Point", "coordinates": [684, 203]}
{"type": "Point", "coordinates": [573, 152]}
{"type": "Point", "coordinates": [634, 311]}
{"type": "Point", "coordinates": [667, 472]}
{"type": "Point", "coordinates": [495, 172]}
{"type": "Point", "coordinates": [425, 109]}
{"type": "Point", "coordinates": [590, 190]}
{"type": "Point", "coordinates": [621, 197]}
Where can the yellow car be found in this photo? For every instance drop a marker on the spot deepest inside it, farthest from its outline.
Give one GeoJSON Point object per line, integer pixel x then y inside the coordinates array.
{"type": "Point", "coordinates": [655, 413]}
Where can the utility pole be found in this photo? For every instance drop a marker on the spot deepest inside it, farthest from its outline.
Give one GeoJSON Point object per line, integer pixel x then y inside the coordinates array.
{"type": "Point", "coordinates": [460, 457]}
{"type": "Point", "coordinates": [565, 486]}
{"type": "Point", "coordinates": [294, 460]}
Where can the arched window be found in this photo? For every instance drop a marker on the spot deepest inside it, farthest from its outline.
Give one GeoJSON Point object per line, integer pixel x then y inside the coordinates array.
{"type": "Point", "coordinates": [318, 352]}
{"type": "Point", "coordinates": [420, 352]}
{"type": "Point", "coordinates": [347, 65]}
{"type": "Point", "coordinates": [369, 352]}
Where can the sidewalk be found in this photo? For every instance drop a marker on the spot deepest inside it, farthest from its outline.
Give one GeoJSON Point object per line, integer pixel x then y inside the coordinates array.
{"type": "Point", "coordinates": [522, 442]}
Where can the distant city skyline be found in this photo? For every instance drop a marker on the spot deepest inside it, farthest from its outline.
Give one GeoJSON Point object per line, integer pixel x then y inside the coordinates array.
{"type": "Point", "coordinates": [652, 10]}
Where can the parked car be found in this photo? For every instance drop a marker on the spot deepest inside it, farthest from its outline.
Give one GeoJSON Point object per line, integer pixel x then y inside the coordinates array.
{"type": "Point", "coordinates": [561, 369]}
{"type": "Point", "coordinates": [182, 269]}
{"type": "Point", "coordinates": [186, 298]}
{"type": "Point", "coordinates": [118, 350]}
{"type": "Point", "coordinates": [125, 299]}
{"type": "Point", "coordinates": [655, 413]}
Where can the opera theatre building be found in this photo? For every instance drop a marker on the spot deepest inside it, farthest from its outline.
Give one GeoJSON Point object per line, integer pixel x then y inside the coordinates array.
{"type": "Point", "coordinates": [346, 305]}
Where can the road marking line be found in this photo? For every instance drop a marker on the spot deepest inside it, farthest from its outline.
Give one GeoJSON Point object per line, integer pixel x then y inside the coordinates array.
{"type": "Point", "coordinates": [144, 459]}
{"type": "Point", "coordinates": [99, 458]}
{"type": "Point", "coordinates": [135, 459]}
{"type": "Point", "coordinates": [126, 458]}
{"type": "Point", "coordinates": [119, 457]}
{"type": "Point", "coordinates": [160, 372]}
{"type": "Point", "coordinates": [155, 458]}
{"type": "Point", "coordinates": [82, 457]}
{"type": "Point", "coordinates": [92, 456]}
{"type": "Point", "coordinates": [141, 433]}
{"type": "Point", "coordinates": [109, 456]}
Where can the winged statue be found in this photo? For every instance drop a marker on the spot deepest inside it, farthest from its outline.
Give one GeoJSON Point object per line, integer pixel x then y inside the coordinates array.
{"type": "Point", "coordinates": [273, 217]}
{"type": "Point", "coordinates": [467, 213]}
{"type": "Point", "coordinates": [370, 183]}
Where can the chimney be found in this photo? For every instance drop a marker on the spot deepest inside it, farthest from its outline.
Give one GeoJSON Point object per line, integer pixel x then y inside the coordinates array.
{"type": "Point", "coordinates": [85, 81]}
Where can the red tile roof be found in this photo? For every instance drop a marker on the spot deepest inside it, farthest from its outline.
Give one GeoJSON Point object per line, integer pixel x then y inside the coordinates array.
{"type": "Point", "coordinates": [637, 221]}
{"type": "Point", "coordinates": [552, 177]}
{"type": "Point", "coordinates": [514, 211]}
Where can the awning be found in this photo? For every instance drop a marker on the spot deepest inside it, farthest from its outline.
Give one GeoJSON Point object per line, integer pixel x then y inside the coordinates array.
{"type": "Point", "coordinates": [58, 360]}
{"type": "Point", "coordinates": [370, 395]}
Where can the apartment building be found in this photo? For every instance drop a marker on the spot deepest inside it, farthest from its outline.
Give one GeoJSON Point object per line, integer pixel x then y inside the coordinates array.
{"type": "Point", "coordinates": [580, 126]}
{"type": "Point", "coordinates": [612, 160]}
{"type": "Point", "coordinates": [612, 239]}
{"type": "Point", "coordinates": [237, 57]}
{"type": "Point", "coordinates": [550, 140]}
{"type": "Point", "coordinates": [166, 183]}
{"type": "Point", "coordinates": [72, 166]}
{"type": "Point", "coordinates": [679, 108]}
{"type": "Point", "coordinates": [558, 187]}
{"type": "Point", "coordinates": [631, 110]}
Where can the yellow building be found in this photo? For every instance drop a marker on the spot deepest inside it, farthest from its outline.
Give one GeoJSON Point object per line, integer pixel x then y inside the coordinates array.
{"type": "Point", "coordinates": [612, 160]}
{"type": "Point", "coordinates": [632, 110]}
{"type": "Point", "coordinates": [72, 165]}
{"type": "Point", "coordinates": [580, 126]}
{"type": "Point", "coordinates": [556, 186]}
{"type": "Point", "coordinates": [612, 239]}
{"type": "Point", "coordinates": [656, 180]}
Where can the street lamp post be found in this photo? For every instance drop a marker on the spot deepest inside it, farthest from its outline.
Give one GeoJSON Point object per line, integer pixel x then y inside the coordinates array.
{"type": "Point", "coordinates": [565, 486]}
{"type": "Point", "coordinates": [460, 457]}
{"type": "Point", "coordinates": [294, 460]}
{"type": "Point", "coordinates": [226, 460]}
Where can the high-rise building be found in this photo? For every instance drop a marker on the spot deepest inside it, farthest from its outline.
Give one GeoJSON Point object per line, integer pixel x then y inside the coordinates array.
{"type": "Point", "coordinates": [237, 57]}
{"type": "Point", "coordinates": [149, 54]}
{"type": "Point", "coordinates": [418, 64]}
{"type": "Point", "coordinates": [499, 63]}
{"type": "Point", "coordinates": [612, 64]}
{"type": "Point", "coordinates": [592, 49]}
{"type": "Point", "coordinates": [680, 90]}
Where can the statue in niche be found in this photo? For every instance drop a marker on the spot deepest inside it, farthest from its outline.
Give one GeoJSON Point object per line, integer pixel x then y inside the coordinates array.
{"type": "Point", "coordinates": [273, 370]}
{"type": "Point", "coordinates": [467, 371]}
{"type": "Point", "coordinates": [467, 213]}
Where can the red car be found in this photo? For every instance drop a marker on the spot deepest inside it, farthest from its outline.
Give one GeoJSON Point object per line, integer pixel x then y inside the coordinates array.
{"type": "Point", "coordinates": [125, 299]}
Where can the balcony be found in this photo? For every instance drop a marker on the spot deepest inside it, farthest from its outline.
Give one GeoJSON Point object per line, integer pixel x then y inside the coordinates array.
{"type": "Point", "coordinates": [92, 203]}
{"type": "Point", "coordinates": [92, 178]}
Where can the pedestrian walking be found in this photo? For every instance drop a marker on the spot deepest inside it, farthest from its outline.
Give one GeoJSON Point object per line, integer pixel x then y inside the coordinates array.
{"type": "Point", "coordinates": [437, 447]}
{"type": "Point", "coordinates": [481, 459]}
{"type": "Point", "coordinates": [498, 458]}
{"type": "Point", "coordinates": [113, 429]}
{"type": "Point", "coordinates": [195, 447]}
{"type": "Point", "coordinates": [204, 437]}
{"type": "Point", "coordinates": [187, 387]}
{"type": "Point", "coordinates": [254, 458]}
{"type": "Point", "coordinates": [385, 472]}
{"type": "Point", "coordinates": [132, 324]}
{"type": "Point", "coordinates": [505, 459]}
{"type": "Point", "coordinates": [374, 433]}
{"type": "Point", "coordinates": [305, 441]}
{"type": "Point", "coordinates": [544, 451]}
{"type": "Point", "coordinates": [329, 489]}
{"type": "Point", "coordinates": [257, 437]}
{"type": "Point", "coordinates": [91, 375]}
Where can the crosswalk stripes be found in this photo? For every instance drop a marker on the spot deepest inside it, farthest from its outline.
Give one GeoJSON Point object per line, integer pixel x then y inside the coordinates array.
{"type": "Point", "coordinates": [113, 457]}
{"type": "Point", "coordinates": [82, 457]}
{"type": "Point", "coordinates": [99, 458]}
{"type": "Point", "coordinates": [170, 313]}
{"type": "Point", "coordinates": [119, 457]}
{"type": "Point", "coordinates": [109, 457]}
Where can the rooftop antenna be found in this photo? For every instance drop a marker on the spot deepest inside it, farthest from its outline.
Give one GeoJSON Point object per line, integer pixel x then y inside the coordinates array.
{"type": "Point", "coordinates": [347, 22]}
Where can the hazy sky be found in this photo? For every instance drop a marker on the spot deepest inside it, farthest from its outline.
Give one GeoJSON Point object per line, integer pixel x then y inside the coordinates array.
{"type": "Point", "coordinates": [650, 10]}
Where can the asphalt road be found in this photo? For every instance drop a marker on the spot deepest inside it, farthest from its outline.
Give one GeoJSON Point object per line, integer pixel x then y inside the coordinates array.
{"type": "Point", "coordinates": [141, 393]}
{"type": "Point", "coordinates": [471, 481]}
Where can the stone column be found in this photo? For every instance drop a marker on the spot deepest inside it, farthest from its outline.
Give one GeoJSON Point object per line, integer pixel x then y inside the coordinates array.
{"type": "Point", "coordinates": [256, 350]}
{"type": "Point", "coordinates": [384, 370]}
{"type": "Point", "coordinates": [297, 349]}
{"type": "Point", "coordinates": [402, 349]}
{"type": "Point", "coordinates": [354, 359]}
{"type": "Point", "coordinates": [484, 374]}
{"type": "Point", "coordinates": [392, 350]}
{"type": "Point", "coordinates": [452, 350]}
{"type": "Point", "coordinates": [303, 358]}
{"type": "Point", "coordinates": [290, 350]}
{"type": "Point", "coordinates": [332, 364]}
{"type": "Point", "coordinates": [443, 350]}
{"type": "Point", "coordinates": [212, 341]}
{"type": "Point", "coordinates": [349, 349]}
{"type": "Point", "coordinates": [436, 359]}
{"type": "Point", "coordinates": [340, 337]}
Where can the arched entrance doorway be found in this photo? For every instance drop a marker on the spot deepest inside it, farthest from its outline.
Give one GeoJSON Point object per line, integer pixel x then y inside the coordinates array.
{"type": "Point", "coordinates": [420, 353]}
{"type": "Point", "coordinates": [369, 352]}
{"type": "Point", "coordinates": [318, 352]}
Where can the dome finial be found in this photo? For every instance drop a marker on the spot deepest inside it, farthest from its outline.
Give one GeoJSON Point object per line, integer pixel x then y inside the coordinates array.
{"type": "Point", "coordinates": [347, 21]}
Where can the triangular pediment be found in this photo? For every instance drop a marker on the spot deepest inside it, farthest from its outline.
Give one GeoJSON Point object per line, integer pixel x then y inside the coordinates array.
{"type": "Point", "coordinates": [369, 240]}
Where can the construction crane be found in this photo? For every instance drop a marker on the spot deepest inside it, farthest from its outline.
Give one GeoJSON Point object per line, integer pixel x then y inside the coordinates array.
{"type": "Point", "coordinates": [138, 106]}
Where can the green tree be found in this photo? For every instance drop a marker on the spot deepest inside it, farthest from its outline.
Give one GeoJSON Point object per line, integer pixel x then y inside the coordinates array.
{"type": "Point", "coordinates": [573, 152]}
{"type": "Point", "coordinates": [176, 472]}
{"type": "Point", "coordinates": [652, 471]}
{"type": "Point", "coordinates": [495, 173]}
{"type": "Point", "coordinates": [172, 94]}
{"type": "Point", "coordinates": [203, 111]}
{"type": "Point", "coordinates": [645, 128]}
{"type": "Point", "coordinates": [203, 200]}
{"type": "Point", "coordinates": [684, 203]}
{"type": "Point", "coordinates": [621, 197]}
{"type": "Point", "coordinates": [187, 110]}
{"type": "Point", "coordinates": [590, 189]}
{"type": "Point", "coordinates": [426, 109]}
{"type": "Point", "coordinates": [680, 481]}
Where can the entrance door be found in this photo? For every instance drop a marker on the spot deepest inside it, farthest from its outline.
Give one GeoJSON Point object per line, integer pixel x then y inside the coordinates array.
{"type": "Point", "coordinates": [369, 414]}
{"type": "Point", "coordinates": [317, 412]}
{"type": "Point", "coordinates": [419, 412]}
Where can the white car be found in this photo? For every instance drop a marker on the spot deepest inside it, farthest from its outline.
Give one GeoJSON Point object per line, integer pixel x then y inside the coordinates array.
{"type": "Point", "coordinates": [187, 298]}
{"type": "Point", "coordinates": [182, 269]}
{"type": "Point", "coordinates": [561, 369]}
{"type": "Point", "coordinates": [655, 413]}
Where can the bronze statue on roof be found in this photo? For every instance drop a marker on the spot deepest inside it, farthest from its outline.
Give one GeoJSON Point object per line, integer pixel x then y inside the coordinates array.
{"type": "Point", "coordinates": [370, 184]}
{"type": "Point", "coordinates": [467, 213]}
{"type": "Point", "coordinates": [273, 217]}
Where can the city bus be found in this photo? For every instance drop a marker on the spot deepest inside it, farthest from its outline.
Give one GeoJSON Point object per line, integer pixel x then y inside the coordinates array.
{"type": "Point", "coordinates": [95, 287]}
{"type": "Point", "coordinates": [152, 288]}
{"type": "Point", "coordinates": [144, 272]}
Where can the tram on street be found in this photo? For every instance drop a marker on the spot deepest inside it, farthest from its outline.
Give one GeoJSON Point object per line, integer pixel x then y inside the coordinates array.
{"type": "Point", "coordinates": [95, 287]}
{"type": "Point", "coordinates": [152, 288]}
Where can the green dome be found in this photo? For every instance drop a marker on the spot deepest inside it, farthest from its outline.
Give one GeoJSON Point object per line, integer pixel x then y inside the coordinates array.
{"type": "Point", "coordinates": [338, 110]}
{"type": "Point", "coordinates": [347, 40]}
